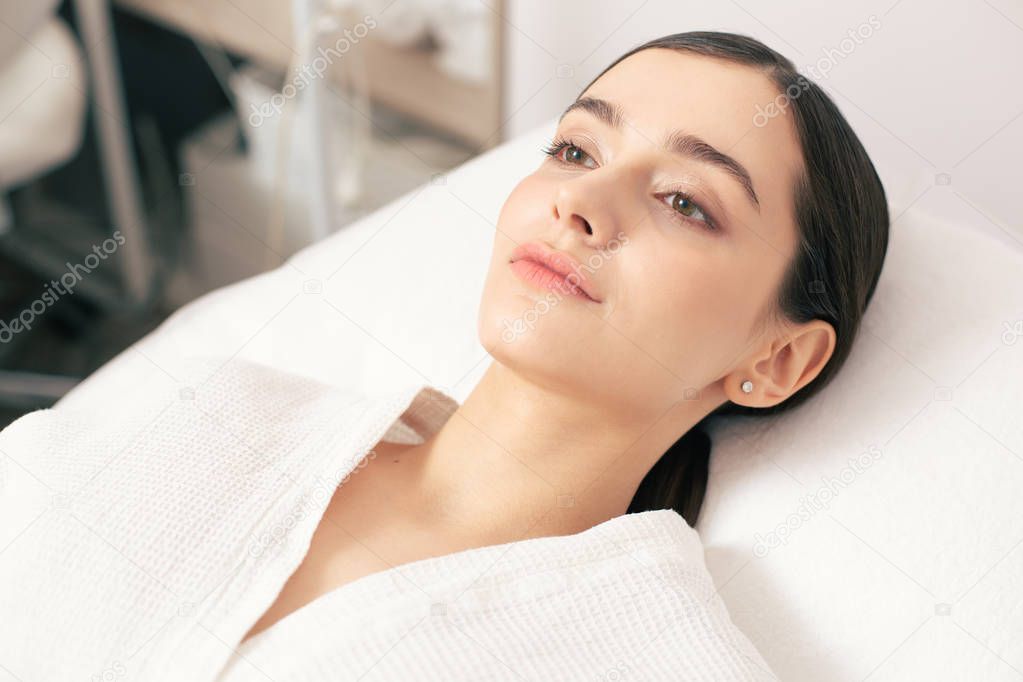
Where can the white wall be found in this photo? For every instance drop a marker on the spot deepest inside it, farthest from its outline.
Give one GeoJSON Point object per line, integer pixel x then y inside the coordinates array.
{"type": "Point", "coordinates": [934, 91]}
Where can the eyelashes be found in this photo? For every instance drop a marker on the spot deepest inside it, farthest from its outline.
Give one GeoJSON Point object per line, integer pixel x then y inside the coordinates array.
{"type": "Point", "coordinates": [559, 144]}
{"type": "Point", "coordinates": [554, 148]}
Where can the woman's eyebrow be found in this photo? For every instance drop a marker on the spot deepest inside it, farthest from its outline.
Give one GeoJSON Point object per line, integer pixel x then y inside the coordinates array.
{"type": "Point", "coordinates": [677, 142]}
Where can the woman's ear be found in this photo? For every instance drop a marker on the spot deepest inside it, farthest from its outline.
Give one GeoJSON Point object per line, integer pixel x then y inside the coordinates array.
{"type": "Point", "coordinates": [784, 366]}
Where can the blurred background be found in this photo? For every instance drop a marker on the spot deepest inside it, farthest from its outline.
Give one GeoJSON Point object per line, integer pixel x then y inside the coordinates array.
{"type": "Point", "coordinates": [154, 150]}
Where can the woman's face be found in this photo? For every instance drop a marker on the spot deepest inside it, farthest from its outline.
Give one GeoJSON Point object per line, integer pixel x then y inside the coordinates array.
{"type": "Point", "coordinates": [679, 260]}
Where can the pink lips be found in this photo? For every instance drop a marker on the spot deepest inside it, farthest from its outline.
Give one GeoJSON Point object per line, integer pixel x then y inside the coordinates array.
{"type": "Point", "coordinates": [545, 268]}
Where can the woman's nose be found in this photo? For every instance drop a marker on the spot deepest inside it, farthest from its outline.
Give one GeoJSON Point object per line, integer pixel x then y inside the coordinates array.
{"type": "Point", "coordinates": [600, 203]}
{"type": "Point", "coordinates": [583, 205]}
{"type": "Point", "coordinates": [572, 220]}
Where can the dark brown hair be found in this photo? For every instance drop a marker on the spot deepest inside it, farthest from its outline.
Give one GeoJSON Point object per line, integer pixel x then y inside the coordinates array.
{"type": "Point", "coordinates": [842, 219]}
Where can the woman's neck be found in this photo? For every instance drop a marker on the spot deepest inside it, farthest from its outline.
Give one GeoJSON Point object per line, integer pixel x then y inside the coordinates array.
{"type": "Point", "coordinates": [519, 460]}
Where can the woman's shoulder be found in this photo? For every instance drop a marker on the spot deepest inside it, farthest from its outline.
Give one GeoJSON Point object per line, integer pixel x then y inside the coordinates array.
{"type": "Point", "coordinates": [213, 400]}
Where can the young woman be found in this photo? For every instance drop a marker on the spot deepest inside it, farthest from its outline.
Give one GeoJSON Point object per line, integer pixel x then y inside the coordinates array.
{"type": "Point", "coordinates": [701, 237]}
{"type": "Point", "coordinates": [740, 230]}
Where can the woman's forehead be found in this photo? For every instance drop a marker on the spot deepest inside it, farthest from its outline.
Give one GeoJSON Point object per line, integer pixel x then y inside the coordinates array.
{"type": "Point", "coordinates": [661, 90]}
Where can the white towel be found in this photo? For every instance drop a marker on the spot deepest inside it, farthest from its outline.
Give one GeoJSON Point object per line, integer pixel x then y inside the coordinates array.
{"type": "Point", "coordinates": [142, 539]}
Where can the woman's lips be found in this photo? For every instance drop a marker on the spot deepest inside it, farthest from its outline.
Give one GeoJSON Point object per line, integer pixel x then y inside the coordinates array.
{"type": "Point", "coordinates": [550, 270]}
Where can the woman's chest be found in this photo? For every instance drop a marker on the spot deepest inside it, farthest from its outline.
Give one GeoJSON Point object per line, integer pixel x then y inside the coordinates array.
{"type": "Point", "coordinates": [370, 525]}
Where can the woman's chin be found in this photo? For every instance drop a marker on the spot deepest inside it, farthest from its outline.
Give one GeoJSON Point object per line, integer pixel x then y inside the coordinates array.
{"type": "Point", "coordinates": [524, 321]}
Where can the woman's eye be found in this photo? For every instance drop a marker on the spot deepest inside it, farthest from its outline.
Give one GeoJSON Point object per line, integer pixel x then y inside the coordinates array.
{"type": "Point", "coordinates": [573, 154]}
{"type": "Point", "coordinates": [685, 206]}
{"type": "Point", "coordinates": [566, 152]}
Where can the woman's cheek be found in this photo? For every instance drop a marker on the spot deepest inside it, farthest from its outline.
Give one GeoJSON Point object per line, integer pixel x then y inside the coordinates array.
{"type": "Point", "coordinates": [526, 205]}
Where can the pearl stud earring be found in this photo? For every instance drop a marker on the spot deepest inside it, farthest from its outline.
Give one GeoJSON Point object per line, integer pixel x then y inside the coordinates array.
{"type": "Point", "coordinates": [747, 386]}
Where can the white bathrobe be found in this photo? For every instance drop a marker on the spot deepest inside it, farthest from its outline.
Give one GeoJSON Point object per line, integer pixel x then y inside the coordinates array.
{"type": "Point", "coordinates": [141, 541]}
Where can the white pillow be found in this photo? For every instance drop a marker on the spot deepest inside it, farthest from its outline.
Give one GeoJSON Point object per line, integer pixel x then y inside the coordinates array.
{"type": "Point", "coordinates": [914, 570]}
{"type": "Point", "coordinates": [906, 563]}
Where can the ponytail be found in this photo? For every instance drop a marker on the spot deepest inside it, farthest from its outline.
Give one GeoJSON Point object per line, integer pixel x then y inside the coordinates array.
{"type": "Point", "coordinates": [679, 478]}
